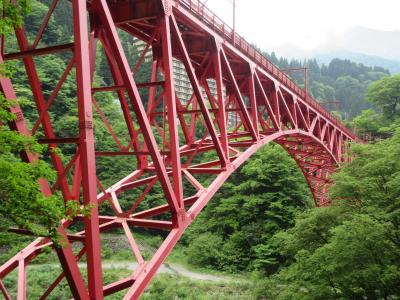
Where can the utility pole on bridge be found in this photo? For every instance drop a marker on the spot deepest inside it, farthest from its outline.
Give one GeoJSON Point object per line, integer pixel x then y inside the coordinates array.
{"type": "Point", "coordinates": [305, 72]}
{"type": "Point", "coordinates": [233, 2]}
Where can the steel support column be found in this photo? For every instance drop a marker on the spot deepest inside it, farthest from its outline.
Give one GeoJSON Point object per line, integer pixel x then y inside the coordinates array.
{"type": "Point", "coordinates": [87, 150]}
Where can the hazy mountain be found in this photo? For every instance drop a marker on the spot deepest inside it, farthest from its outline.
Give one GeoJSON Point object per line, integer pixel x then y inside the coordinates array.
{"type": "Point", "coordinates": [369, 60]}
{"type": "Point", "coordinates": [368, 46]}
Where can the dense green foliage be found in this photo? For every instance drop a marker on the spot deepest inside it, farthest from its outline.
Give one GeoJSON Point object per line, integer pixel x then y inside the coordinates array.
{"type": "Point", "coordinates": [260, 199]}
{"type": "Point", "coordinates": [385, 93]}
{"type": "Point", "coordinates": [368, 121]}
{"type": "Point", "coordinates": [22, 202]}
{"type": "Point", "coordinates": [175, 287]}
{"type": "Point", "coordinates": [13, 13]}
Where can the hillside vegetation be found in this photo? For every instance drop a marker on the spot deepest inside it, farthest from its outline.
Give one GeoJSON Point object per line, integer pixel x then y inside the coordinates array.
{"type": "Point", "coordinates": [341, 80]}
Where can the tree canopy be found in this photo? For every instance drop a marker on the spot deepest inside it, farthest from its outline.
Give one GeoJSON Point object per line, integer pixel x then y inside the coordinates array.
{"type": "Point", "coordinates": [260, 199]}
{"type": "Point", "coordinates": [385, 93]}
{"type": "Point", "coordinates": [23, 204]}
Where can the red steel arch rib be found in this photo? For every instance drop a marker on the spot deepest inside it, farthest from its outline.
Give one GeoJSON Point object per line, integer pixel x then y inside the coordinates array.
{"type": "Point", "coordinates": [253, 104]}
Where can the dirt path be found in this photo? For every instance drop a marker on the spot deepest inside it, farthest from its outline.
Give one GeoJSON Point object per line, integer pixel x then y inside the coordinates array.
{"type": "Point", "coordinates": [167, 269]}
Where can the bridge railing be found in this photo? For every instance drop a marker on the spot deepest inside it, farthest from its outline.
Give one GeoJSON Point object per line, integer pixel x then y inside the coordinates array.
{"type": "Point", "coordinates": [215, 23]}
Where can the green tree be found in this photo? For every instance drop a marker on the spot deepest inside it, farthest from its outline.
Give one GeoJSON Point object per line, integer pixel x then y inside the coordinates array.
{"type": "Point", "coordinates": [385, 93]}
{"type": "Point", "coordinates": [359, 261]}
{"type": "Point", "coordinates": [368, 122]}
{"type": "Point", "coordinates": [205, 250]}
{"type": "Point", "coordinates": [260, 199]}
{"type": "Point", "coordinates": [371, 179]}
{"type": "Point", "coordinates": [350, 93]}
{"type": "Point", "coordinates": [22, 202]}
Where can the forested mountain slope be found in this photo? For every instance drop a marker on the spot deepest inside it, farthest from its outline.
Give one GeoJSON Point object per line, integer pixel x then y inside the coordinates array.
{"type": "Point", "coordinates": [341, 80]}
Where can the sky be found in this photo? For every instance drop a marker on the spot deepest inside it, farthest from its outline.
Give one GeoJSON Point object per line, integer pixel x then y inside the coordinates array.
{"type": "Point", "coordinates": [306, 24]}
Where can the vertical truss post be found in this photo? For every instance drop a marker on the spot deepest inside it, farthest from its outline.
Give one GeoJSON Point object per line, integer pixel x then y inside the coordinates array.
{"type": "Point", "coordinates": [152, 89]}
{"type": "Point", "coordinates": [21, 291]}
{"type": "Point", "coordinates": [253, 99]}
{"type": "Point", "coordinates": [87, 150]}
{"type": "Point", "coordinates": [193, 119]}
{"type": "Point", "coordinates": [169, 94]}
{"type": "Point", "coordinates": [275, 106]}
{"type": "Point", "coordinates": [220, 97]}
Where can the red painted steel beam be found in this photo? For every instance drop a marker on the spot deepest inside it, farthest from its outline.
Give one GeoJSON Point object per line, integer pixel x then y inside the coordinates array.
{"type": "Point", "coordinates": [87, 149]}
{"type": "Point", "coordinates": [169, 95]}
{"type": "Point", "coordinates": [4, 291]}
{"type": "Point", "coordinates": [38, 52]}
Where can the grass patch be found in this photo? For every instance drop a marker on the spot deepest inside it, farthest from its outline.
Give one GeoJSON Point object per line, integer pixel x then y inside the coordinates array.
{"type": "Point", "coordinates": [167, 286]}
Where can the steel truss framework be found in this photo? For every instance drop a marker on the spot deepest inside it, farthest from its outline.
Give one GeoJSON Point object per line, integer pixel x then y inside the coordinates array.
{"type": "Point", "coordinates": [264, 103]}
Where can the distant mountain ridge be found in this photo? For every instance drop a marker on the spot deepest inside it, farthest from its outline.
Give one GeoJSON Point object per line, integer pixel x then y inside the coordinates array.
{"type": "Point", "coordinates": [369, 60]}
{"type": "Point", "coordinates": [362, 45]}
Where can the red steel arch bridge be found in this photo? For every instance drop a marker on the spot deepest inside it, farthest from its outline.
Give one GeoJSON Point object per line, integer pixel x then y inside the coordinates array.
{"type": "Point", "coordinates": [165, 134]}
